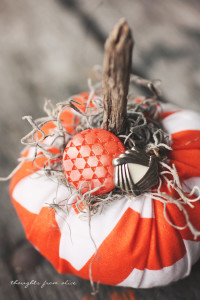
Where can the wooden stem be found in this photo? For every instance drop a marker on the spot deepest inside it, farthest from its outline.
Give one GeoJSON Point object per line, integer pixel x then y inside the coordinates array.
{"type": "Point", "coordinates": [116, 76]}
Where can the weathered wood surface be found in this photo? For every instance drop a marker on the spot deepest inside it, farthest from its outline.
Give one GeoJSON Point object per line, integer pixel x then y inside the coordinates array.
{"type": "Point", "coordinates": [47, 49]}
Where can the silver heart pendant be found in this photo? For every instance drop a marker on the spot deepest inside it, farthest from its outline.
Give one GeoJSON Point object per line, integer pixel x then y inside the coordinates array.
{"type": "Point", "coordinates": [135, 172]}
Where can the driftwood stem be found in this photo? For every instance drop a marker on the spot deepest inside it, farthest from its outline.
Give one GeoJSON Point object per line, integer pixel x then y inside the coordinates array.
{"type": "Point", "coordinates": [116, 76]}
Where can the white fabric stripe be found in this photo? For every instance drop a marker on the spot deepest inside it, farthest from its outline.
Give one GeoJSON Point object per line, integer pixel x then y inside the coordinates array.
{"type": "Point", "coordinates": [76, 245]}
{"type": "Point", "coordinates": [143, 205]}
{"type": "Point", "coordinates": [149, 278]}
{"type": "Point", "coordinates": [36, 190]}
{"type": "Point", "coordinates": [31, 153]}
{"type": "Point", "coordinates": [182, 120]}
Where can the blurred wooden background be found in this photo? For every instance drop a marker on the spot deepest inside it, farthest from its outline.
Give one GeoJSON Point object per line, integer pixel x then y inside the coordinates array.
{"type": "Point", "coordinates": [47, 49]}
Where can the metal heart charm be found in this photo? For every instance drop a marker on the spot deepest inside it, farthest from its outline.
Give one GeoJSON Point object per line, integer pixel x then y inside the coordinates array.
{"type": "Point", "coordinates": [135, 172]}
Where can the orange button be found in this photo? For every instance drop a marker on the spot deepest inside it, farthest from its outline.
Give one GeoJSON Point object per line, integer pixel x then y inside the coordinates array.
{"type": "Point", "coordinates": [88, 158]}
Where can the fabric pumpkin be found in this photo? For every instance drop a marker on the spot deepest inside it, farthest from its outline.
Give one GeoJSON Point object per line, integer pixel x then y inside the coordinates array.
{"type": "Point", "coordinates": [136, 246]}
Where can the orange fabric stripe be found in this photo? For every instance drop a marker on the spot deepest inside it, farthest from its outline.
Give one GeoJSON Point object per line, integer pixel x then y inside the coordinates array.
{"type": "Point", "coordinates": [187, 163]}
{"type": "Point", "coordinates": [46, 128]}
{"type": "Point", "coordinates": [45, 234]}
{"type": "Point", "coordinates": [186, 140]}
{"type": "Point", "coordinates": [69, 120]}
{"type": "Point", "coordinates": [26, 217]}
{"type": "Point", "coordinates": [41, 230]}
{"type": "Point", "coordinates": [186, 153]}
{"type": "Point", "coordinates": [82, 99]}
{"type": "Point", "coordinates": [176, 216]}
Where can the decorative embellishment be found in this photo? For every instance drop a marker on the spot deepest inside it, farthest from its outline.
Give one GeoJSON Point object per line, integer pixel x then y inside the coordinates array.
{"type": "Point", "coordinates": [135, 171]}
{"type": "Point", "coordinates": [87, 160]}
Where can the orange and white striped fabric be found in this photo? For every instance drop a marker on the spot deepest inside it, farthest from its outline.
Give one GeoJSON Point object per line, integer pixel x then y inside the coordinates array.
{"type": "Point", "coordinates": [136, 246]}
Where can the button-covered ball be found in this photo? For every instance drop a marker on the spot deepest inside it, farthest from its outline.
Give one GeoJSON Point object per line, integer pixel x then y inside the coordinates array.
{"type": "Point", "coordinates": [87, 160]}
